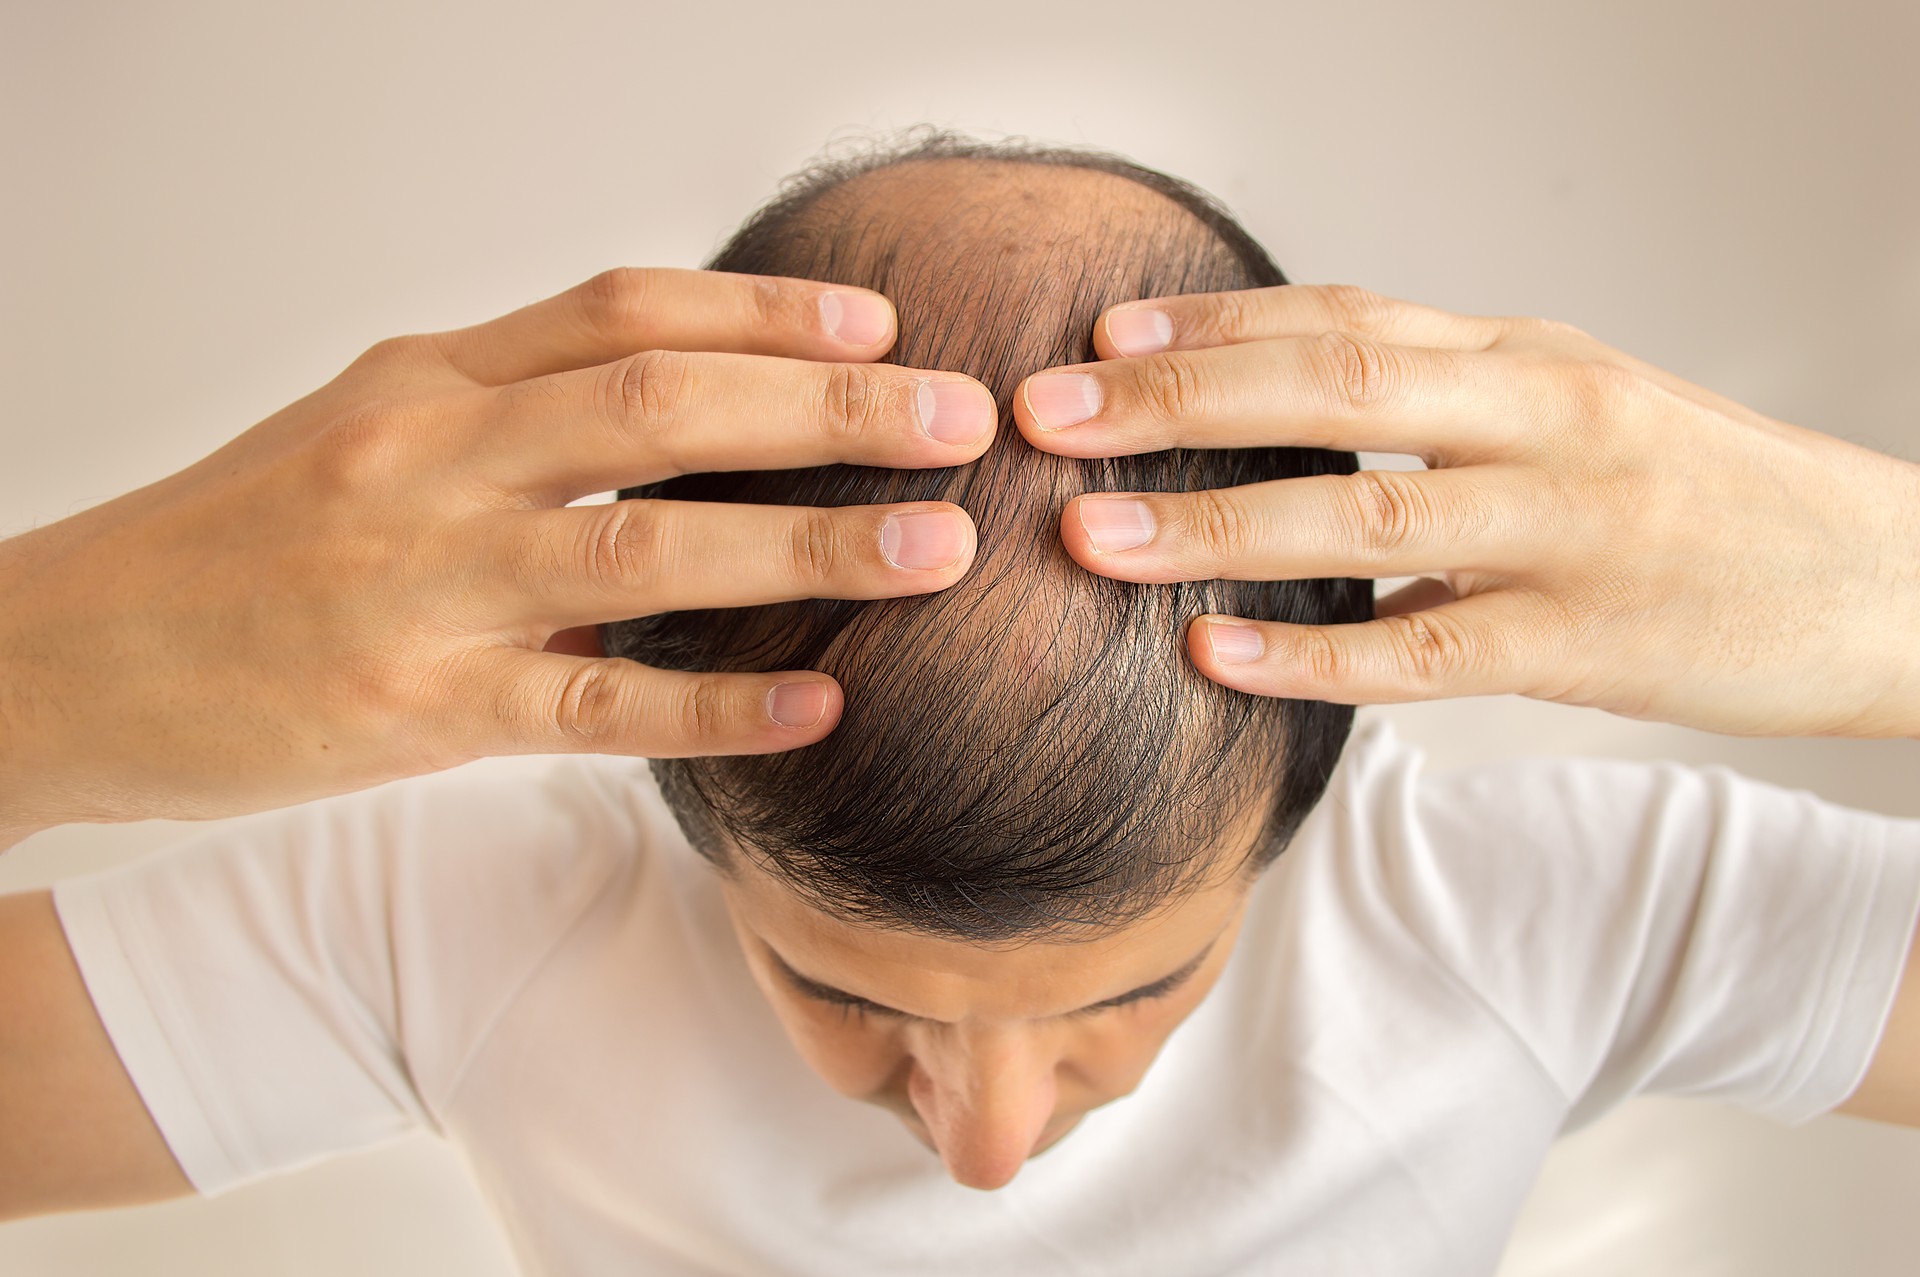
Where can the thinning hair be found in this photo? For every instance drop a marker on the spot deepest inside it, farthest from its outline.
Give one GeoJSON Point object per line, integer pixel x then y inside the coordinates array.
{"type": "Point", "coordinates": [1028, 753]}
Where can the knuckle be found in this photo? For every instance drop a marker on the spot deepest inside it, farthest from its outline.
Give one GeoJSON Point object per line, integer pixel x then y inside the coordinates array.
{"type": "Point", "coordinates": [386, 689]}
{"type": "Point", "coordinates": [624, 546]}
{"type": "Point", "coordinates": [644, 391]}
{"type": "Point", "coordinates": [1389, 511]}
{"type": "Point", "coordinates": [383, 693]}
{"type": "Point", "coordinates": [851, 401]}
{"type": "Point", "coordinates": [1219, 524]}
{"type": "Point", "coordinates": [814, 547]}
{"type": "Point", "coordinates": [589, 706]}
{"type": "Point", "coordinates": [1171, 386]}
{"type": "Point", "coordinates": [704, 714]}
{"type": "Point", "coordinates": [395, 352]}
{"type": "Point", "coordinates": [361, 446]}
{"type": "Point", "coordinates": [767, 305]}
{"type": "Point", "coordinates": [1320, 658]}
{"type": "Point", "coordinates": [1233, 316]}
{"type": "Point", "coordinates": [1355, 309]}
{"type": "Point", "coordinates": [1603, 390]}
{"type": "Point", "coordinates": [1553, 331]}
{"type": "Point", "coordinates": [1428, 648]}
{"type": "Point", "coordinates": [1354, 371]}
{"type": "Point", "coordinates": [613, 301]}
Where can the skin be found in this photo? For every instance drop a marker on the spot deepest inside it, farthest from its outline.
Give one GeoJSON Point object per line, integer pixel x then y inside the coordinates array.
{"type": "Point", "coordinates": [990, 1066]}
{"type": "Point", "coordinates": [995, 1069]}
{"type": "Point", "coordinates": [78, 1135]}
{"type": "Point", "coordinates": [1594, 530]}
{"type": "Point", "coordinates": [408, 521]}
{"type": "Point", "coordinates": [1591, 529]}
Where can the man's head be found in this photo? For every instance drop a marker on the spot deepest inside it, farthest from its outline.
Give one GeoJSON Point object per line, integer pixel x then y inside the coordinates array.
{"type": "Point", "coordinates": [1033, 804]}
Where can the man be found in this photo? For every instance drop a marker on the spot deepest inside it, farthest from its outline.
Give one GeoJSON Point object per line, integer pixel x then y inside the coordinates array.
{"type": "Point", "coordinates": [1383, 1028]}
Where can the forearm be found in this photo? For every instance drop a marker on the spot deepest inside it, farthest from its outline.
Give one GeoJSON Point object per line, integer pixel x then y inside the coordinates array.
{"type": "Point", "coordinates": [19, 789]}
{"type": "Point", "coordinates": [51, 773]}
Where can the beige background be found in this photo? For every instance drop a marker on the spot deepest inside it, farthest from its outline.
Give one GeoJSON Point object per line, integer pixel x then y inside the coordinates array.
{"type": "Point", "coordinates": [210, 208]}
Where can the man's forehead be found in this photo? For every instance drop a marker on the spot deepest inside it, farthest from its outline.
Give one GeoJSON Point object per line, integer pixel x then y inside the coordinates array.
{"type": "Point", "coordinates": [896, 968]}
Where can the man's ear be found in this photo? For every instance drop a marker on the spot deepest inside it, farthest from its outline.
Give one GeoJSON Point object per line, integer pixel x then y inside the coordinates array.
{"type": "Point", "coordinates": [581, 640]}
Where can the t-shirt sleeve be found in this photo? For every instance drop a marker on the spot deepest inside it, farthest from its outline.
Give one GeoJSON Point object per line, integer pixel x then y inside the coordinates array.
{"type": "Point", "coordinates": [1651, 928]}
{"type": "Point", "coordinates": [310, 981]}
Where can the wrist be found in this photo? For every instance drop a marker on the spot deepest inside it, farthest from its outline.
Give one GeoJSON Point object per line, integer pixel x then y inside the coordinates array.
{"type": "Point", "coordinates": [1859, 660]}
{"type": "Point", "coordinates": [1902, 560]}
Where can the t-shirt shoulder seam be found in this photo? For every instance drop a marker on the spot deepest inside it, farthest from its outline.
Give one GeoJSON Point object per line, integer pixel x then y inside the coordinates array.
{"type": "Point", "coordinates": [1465, 987]}
{"type": "Point", "coordinates": [442, 1107]}
{"type": "Point", "coordinates": [1506, 1026]}
{"type": "Point", "coordinates": [1379, 739]}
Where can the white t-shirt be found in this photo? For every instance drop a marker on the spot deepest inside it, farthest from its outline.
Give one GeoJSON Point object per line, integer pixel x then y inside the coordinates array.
{"type": "Point", "coordinates": [1440, 976]}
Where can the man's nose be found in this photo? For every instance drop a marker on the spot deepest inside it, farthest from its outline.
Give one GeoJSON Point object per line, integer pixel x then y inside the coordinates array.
{"type": "Point", "coordinates": [986, 1094]}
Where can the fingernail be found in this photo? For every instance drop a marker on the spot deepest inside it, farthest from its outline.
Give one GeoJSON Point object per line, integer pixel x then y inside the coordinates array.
{"type": "Point", "coordinates": [1060, 399]}
{"type": "Point", "coordinates": [1116, 523]}
{"type": "Point", "coordinates": [1234, 644]}
{"type": "Point", "coordinates": [953, 411]}
{"type": "Point", "coordinates": [922, 539]}
{"type": "Point", "coordinates": [797, 704]}
{"type": "Point", "coordinates": [1139, 332]}
{"type": "Point", "coordinates": [859, 319]}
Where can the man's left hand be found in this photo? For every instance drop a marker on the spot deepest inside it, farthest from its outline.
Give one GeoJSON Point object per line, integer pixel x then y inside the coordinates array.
{"type": "Point", "coordinates": [1590, 529]}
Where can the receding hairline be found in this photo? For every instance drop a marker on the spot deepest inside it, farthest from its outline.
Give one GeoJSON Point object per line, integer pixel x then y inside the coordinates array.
{"type": "Point", "coordinates": [916, 153]}
{"type": "Point", "coordinates": [917, 178]}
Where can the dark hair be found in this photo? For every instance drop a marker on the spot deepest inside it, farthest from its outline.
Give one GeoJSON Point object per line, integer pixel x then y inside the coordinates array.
{"type": "Point", "coordinates": [1029, 750]}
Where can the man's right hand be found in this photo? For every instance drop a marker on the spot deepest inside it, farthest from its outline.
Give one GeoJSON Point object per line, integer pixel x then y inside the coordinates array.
{"type": "Point", "coordinates": [366, 585]}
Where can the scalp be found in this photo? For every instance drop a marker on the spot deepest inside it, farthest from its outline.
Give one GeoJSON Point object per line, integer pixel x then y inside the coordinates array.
{"type": "Point", "coordinates": [1028, 749]}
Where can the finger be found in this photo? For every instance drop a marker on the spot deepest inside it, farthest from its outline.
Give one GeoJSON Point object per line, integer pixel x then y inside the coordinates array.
{"type": "Point", "coordinates": [1197, 320]}
{"type": "Point", "coordinates": [1426, 592]}
{"type": "Point", "coordinates": [1478, 646]}
{"type": "Point", "coordinates": [664, 413]}
{"type": "Point", "coordinates": [543, 703]}
{"type": "Point", "coordinates": [1331, 390]}
{"type": "Point", "coordinates": [585, 564]}
{"type": "Point", "coordinates": [622, 311]}
{"type": "Point", "coordinates": [1376, 523]}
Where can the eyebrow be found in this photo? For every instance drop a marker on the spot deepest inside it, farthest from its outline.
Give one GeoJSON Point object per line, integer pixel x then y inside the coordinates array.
{"type": "Point", "coordinates": [827, 993]}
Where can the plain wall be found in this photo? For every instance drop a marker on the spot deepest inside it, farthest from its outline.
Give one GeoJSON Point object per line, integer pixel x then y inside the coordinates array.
{"type": "Point", "coordinates": [210, 208]}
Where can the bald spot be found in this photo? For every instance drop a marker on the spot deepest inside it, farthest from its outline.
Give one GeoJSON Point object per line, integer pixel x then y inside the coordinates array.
{"type": "Point", "coordinates": [1031, 739]}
